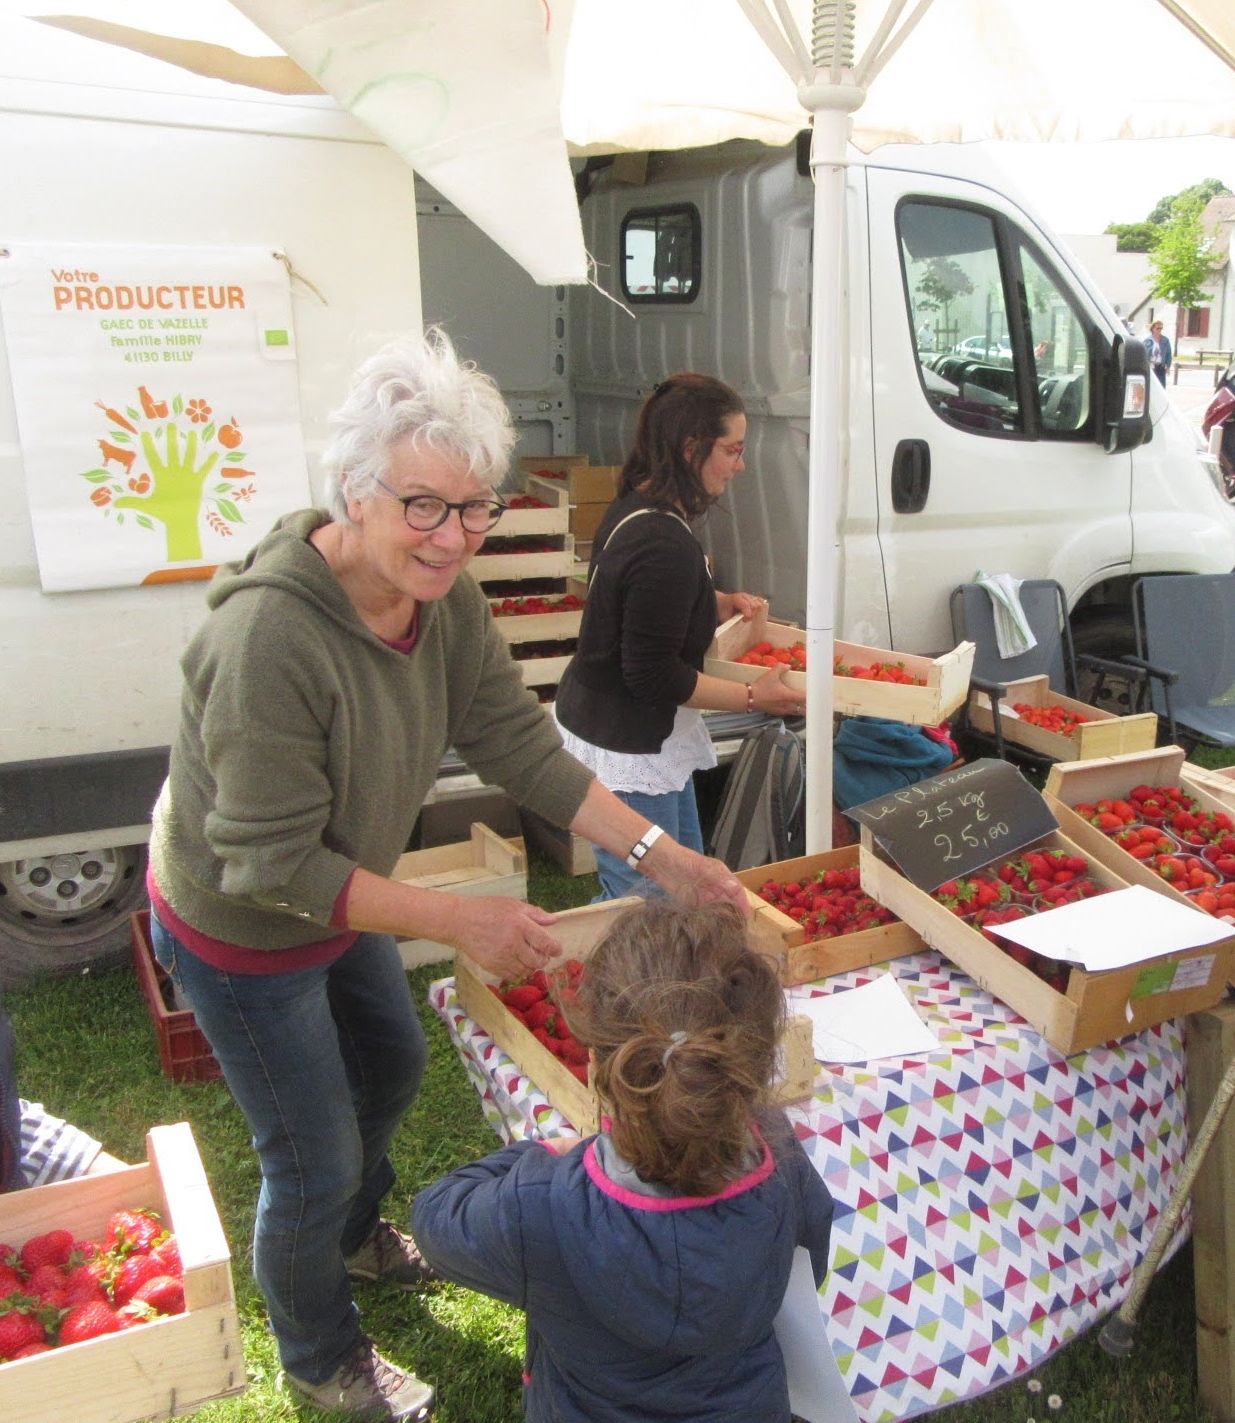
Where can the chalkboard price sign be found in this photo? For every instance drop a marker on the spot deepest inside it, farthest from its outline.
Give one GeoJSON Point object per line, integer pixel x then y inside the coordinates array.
{"type": "Point", "coordinates": [956, 823]}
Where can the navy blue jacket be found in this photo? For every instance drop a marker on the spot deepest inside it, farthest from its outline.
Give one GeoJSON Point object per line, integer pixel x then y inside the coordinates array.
{"type": "Point", "coordinates": [639, 1308]}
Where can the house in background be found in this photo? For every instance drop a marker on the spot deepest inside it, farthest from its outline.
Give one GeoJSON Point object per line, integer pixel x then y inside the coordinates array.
{"type": "Point", "coordinates": [1125, 280]}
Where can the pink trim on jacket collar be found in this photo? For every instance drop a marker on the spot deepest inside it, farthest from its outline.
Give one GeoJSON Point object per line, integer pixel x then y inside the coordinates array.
{"type": "Point", "coordinates": [638, 1202]}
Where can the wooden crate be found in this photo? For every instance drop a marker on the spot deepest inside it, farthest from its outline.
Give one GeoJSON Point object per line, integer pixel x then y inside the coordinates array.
{"type": "Point", "coordinates": [946, 677]}
{"type": "Point", "coordinates": [1103, 734]}
{"type": "Point", "coordinates": [579, 931]}
{"type": "Point", "coordinates": [1112, 778]}
{"type": "Point", "coordinates": [584, 483]}
{"type": "Point", "coordinates": [784, 939]}
{"type": "Point", "coordinates": [519, 523]}
{"type": "Point", "coordinates": [523, 567]}
{"type": "Point", "coordinates": [483, 864]}
{"type": "Point", "coordinates": [1097, 1007]}
{"type": "Point", "coordinates": [1218, 785]}
{"type": "Point", "coordinates": [544, 627]}
{"type": "Point", "coordinates": [570, 852]}
{"type": "Point", "coordinates": [555, 467]}
{"type": "Point", "coordinates": [161, 1369]}
{"type": "Point", "coordinates": [543, 671]}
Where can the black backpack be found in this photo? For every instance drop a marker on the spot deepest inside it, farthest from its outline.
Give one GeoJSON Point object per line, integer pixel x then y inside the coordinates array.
{"type": "Point", "coordinates": [762, 814]}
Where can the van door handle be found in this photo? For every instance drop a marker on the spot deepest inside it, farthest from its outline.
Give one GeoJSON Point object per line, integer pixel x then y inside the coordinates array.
{"type": "Point", "coordinates": [911, 476]}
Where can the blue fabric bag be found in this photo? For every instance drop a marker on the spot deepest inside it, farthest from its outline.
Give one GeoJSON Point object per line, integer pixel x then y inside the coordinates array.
{"type": "Point", "coordinates": [872, 756]}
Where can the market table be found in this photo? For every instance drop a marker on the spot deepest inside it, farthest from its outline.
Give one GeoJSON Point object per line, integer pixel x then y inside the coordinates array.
{"type": "Point", "coordinates": [992, 1197]}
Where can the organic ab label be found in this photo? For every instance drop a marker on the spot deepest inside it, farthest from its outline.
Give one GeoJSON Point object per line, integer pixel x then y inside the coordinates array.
{"type": "Point", "coordinates": [165, 455]}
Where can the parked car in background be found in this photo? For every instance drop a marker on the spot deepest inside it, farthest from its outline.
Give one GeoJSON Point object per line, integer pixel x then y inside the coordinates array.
{"type": "Point", "coordinates": [983, 348]}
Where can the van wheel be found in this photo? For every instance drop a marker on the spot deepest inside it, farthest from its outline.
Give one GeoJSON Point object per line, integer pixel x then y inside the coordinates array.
{"type": "Point", "coordinates": [1110, 636]}
{"type": "Point", "coordinates": [68, 913]}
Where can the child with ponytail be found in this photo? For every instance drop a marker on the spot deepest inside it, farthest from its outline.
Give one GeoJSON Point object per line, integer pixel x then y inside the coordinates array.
{"type": "Point", "coordinates": [653, 1257]}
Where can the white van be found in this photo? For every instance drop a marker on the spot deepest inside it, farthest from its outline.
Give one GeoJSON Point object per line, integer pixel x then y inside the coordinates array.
{"type": "Point", "coordinates": [983, 387]}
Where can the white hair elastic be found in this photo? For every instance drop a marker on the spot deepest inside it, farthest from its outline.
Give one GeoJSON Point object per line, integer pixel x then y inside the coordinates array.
{"type": "Point", "coordinates": [676, 1039]}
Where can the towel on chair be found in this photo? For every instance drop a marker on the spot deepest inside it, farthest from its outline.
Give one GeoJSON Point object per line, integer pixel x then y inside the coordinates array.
{"type": "Point", "coordinates": [1013, 635]}
{"type": "Point", "coordinates": [872, 756]}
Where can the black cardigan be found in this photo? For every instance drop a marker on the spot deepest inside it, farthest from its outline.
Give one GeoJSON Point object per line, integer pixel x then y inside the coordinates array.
{"type": "Point", "coordinates": [649, 618]}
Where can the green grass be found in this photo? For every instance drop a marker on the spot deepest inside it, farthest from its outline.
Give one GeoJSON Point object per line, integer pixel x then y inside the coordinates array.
{"type": "Point", "coordinates": [87, 1050]}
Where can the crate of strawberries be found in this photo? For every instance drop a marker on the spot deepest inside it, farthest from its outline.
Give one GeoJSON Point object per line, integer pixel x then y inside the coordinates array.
{"type": "Point", "coordinates": [540, 617]}
{"type": "Point", "coordinates": [116, 1297]}
{"type": "Point", "coordinates": [962, 855]}
{"type": "Point", "coordinates": [1136, 814]}
{"type": "Point", "coordinates": [813, 916]}
{"type": "Point", "coordinates": [1072, 1007]}
{"type": "Point", "coordinates": [866, 681]}
{"type": "Point", "coordinates": [529, 1019]}
{"type": "Point", "coordinates": [544, 510]}
{"type": "Point", "coordinates": [1033, 716]}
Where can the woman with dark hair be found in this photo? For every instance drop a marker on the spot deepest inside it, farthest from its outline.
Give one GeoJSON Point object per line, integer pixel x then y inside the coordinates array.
{"type": "Point", "coordinates": [629, 703]}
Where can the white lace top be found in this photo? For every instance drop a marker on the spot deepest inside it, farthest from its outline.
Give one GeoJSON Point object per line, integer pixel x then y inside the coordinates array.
{"type": "Point", "coordinates": [687, 748]}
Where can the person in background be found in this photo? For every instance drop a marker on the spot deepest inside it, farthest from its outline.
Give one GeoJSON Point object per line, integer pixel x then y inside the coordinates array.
{"type": "Point", "coordinates": [35, 1146]}
{"type": "Point", "coordinates": [629, 702]}
{"type": "Point", "coordinates": [652, 1258]}
{"type": "Point", "coordinates": [339, 660]}
{"type": "Point", "coordinates": [1158, 345]}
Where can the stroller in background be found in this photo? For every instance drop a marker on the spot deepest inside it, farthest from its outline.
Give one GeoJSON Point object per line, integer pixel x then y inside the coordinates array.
{"type": "Point", "coordinates": [1220, 415]}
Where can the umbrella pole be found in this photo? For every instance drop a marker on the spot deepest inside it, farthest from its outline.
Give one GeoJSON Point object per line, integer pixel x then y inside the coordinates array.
{"type": "Point", "coordinates": [830, 104]}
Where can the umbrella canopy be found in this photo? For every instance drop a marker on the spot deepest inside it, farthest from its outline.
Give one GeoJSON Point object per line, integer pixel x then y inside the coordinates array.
{"type": "Point", "coordinates": [487, 98]}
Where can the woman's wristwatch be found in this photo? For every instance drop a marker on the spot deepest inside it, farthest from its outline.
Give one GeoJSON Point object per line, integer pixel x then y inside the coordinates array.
{"type": "Point", "coordinates": [641, 846]}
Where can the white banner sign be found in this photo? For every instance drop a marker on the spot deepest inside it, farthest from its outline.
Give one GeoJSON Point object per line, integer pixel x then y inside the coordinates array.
{"type": "Point", "coordinates": [157, 408]}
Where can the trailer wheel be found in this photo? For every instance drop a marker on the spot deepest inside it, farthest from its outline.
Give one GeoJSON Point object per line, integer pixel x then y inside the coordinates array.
{"type": "Point", "coordinates": [68, 913]}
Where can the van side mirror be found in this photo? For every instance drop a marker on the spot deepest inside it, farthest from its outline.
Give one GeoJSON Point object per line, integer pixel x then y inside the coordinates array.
{"type": "Point", "coordinates": [1124, 422]}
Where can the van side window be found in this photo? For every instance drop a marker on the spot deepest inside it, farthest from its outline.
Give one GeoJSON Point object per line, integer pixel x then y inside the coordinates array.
{"type": "Point", "coordinates": [1002, 346]}
{"type": "Point", "coordinates": [1060, 352]}
{"type": "Point", "coordinates": [661, 254]}
{"type": "Point", "coordinates": [958, 312]}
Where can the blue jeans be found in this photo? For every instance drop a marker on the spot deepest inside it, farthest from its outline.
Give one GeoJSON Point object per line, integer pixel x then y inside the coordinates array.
{"type": "Point", "coordinates": [323, 1062]}
{"type": "Point", "coordinates": [676, 813]}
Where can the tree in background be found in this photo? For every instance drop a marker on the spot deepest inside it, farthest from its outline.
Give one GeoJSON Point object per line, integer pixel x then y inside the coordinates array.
{"type": "Point", "coordinates": [1183, 259]}
{"type": "Point", "coordinates": [1143, 236]}
{"type": "Point", "coordinates": [943, 281]}
{"type": "Point", "coordinates": [1134, 236]}
{"type": "Point", "coordinates": [1198, 192]}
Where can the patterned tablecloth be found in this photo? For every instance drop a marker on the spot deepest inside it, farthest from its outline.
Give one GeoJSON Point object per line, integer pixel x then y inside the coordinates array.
{"type": "Point", "coordinates": [992, 1198]}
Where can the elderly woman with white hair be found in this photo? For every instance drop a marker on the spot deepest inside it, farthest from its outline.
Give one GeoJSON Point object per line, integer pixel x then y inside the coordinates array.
{"type": "Point", "coordinates": [338, 662]}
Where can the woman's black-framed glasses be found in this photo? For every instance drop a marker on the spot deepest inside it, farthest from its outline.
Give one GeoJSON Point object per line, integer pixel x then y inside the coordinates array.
{"type": "Point", "coordinates": [426, 512]}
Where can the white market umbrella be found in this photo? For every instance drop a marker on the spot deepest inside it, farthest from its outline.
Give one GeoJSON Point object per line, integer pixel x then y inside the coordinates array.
{"type": "Point", "coordinates": [486, 99]}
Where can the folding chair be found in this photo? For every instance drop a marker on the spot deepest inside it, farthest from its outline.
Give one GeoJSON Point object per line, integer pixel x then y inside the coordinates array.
{"type": "Point", "coordinates": [1053, 656]}
{"type": "Point", "coordinates": [1185, 642]}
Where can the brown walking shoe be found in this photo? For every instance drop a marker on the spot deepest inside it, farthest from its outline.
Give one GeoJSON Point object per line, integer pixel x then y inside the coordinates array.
{"type": "Point", "coordinates": [370, 1389]}
{"type": "Point", "coordinates": [392, 1257]}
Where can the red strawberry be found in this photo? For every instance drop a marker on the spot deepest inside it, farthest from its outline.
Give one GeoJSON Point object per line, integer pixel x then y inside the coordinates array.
{"type": "Point", "coordinates": [134, 1273]}
{"type": "Point", "coordinates": [132, 1232]}
{"type": "Point", "coordinates": [19, 1326]}
{"type": "Point", "coordinates": [52, 1248]}
{"type": "Point", "coordinates": [162, 1293]}
{"type": "Point", "coordinates": [88, 1321]}
{"type": "Point", "coordinates": [47, 1285]}
{"type": "Point", "coordinates": [11, 1282]}
{"type": "Point", "coordinates": [83, 1284]}
{"type": "Point", "coordinates": [30, 1349]}
{"type": "Point", "coordinates": [167, 1253]}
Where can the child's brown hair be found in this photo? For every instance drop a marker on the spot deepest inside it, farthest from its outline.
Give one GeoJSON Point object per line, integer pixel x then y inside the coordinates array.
{"type": "Point", "coordinates": [685, 1021]}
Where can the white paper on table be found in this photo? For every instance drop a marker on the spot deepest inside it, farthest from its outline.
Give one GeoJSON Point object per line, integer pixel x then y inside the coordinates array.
{"type": "Point", "coordinates": [817, 1391]}
{"type": "Point", "coordinates": [861, 1024]}
{"type": "Point", "coordinates": [1116, 929]}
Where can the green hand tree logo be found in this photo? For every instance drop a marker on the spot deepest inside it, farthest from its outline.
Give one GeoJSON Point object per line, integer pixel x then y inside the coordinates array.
{"type": "Point", "coordinates": [165, 458]}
